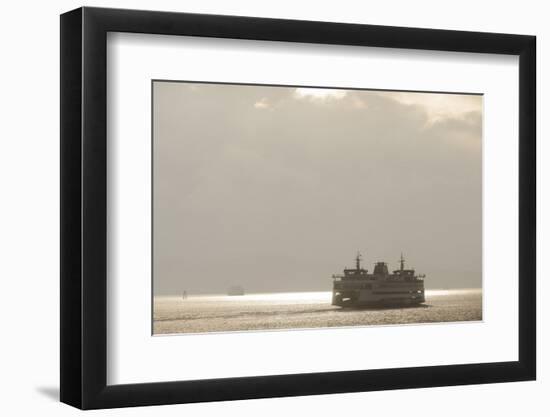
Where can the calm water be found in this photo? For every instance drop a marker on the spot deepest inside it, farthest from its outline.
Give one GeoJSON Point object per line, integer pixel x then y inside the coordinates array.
{"type": "Point", "coordinates": [302, 310]}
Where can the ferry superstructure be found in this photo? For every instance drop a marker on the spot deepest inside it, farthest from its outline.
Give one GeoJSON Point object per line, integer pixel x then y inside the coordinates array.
{"type": "Point", "coordinates": [357, 288]}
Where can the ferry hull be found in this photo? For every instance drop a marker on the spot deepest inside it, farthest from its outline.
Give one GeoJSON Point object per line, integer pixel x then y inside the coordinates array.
{"type": "Point", "coordinates": [368, 299]}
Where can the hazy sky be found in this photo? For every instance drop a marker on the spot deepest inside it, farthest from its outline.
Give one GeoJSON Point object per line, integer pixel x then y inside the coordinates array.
{"type": "Point", "coordinates": [277, 188]}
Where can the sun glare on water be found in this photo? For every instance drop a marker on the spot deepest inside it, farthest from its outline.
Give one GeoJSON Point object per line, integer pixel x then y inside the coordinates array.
{"type": "Point", "coordinates": [290, 296]}
{"type": "Point", "coordinates": [276, 297]}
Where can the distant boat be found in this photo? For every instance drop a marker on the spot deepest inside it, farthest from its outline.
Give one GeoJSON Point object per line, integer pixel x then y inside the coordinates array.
{"type": "Point", "coordinates": [235, 290]}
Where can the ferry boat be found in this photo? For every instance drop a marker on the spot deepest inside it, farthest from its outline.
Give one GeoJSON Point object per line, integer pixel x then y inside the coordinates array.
{"type": "Point", "coordinates": [357, 288]}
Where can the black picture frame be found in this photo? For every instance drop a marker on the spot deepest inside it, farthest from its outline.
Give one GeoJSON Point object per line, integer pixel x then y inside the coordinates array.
{"type": "Point", "coordinates": [84, 207]}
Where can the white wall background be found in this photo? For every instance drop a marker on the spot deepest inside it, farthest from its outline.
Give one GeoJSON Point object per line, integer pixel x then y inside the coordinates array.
{"type": "Point", "coordinates": [29, 238]}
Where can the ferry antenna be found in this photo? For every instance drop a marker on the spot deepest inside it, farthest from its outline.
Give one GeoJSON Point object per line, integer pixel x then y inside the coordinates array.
{"type": "Point", "coordinates": [358, 260]}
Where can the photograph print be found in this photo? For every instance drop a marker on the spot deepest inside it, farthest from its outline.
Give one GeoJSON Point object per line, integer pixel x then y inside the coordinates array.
{"type": "Point", "coordinates": [295, 207]}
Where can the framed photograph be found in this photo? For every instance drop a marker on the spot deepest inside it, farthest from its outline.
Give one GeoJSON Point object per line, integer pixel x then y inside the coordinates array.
{"type": "Point", "coordinates": [258, 207]}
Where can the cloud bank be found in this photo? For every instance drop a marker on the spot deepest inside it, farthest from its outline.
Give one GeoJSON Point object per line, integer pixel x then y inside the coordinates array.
{"type": "Point", "coordinates": [276, 188]}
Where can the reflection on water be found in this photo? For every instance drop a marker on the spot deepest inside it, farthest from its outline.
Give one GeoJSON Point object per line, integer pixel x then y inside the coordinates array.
{"type": "Point", "coordinates": [221, 313]}
{"type": "Point", "coordinates": [283, 297]}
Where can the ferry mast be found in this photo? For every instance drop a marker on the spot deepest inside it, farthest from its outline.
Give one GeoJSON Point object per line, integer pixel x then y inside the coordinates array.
{"type": "Point", "coordinates": [358, 259]}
